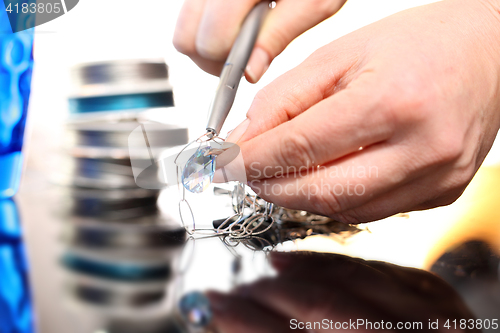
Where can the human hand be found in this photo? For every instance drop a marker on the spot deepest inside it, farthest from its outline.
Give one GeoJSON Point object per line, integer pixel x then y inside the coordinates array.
{"type": "Point", "coordinates": [419, 91]}
{"type": "Point", "coordinates": [206, 30]}
{"type": "Point", "coordinates": [313, 287]}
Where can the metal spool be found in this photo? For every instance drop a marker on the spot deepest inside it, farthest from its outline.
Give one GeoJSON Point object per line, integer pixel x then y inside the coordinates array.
{"type": "Point", "coordinates": [147, 233]}
{"type": "Point", "coordinates": [120, 85]}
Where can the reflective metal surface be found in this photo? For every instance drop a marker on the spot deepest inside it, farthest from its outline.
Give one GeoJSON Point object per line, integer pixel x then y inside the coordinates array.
{"type": "Point", "coordinates": [118, 277]}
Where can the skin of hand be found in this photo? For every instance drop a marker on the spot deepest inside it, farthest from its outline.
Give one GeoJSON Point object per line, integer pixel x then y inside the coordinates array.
{"type": "Point", "coordinates": [311, 287]}
{"type": "Point", "coordinates": [206, 30]}
{"type": "Point", "coordinates": [419, 91]}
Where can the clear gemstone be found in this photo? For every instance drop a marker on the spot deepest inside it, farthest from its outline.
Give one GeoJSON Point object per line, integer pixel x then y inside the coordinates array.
{"type": "Point", "coordinates": [195, 309]}
{"type": "Point", "coordinates": [199, 171]}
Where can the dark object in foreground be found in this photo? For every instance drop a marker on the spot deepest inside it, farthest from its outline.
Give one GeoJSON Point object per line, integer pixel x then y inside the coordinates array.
{"type": "Point", "coordinates": [332, 290]}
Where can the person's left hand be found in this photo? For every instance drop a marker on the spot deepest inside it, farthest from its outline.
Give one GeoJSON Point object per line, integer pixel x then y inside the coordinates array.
{"type": "Point", "coordinates": [312, 287]}
{"type": "Point", "coordinates": [207, 29]}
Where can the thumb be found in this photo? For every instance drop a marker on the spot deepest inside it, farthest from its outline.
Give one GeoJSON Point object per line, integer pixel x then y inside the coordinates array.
{"type": "Point", "coordinates": [284, 23]}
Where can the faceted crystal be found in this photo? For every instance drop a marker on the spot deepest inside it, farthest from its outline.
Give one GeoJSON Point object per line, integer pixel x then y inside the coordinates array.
{"type": "Point", "coordinates": [199, 171]}
{"type": "Point", "coordinates": [195, 309]}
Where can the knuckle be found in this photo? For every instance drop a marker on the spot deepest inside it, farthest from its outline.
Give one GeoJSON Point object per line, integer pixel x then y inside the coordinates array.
{"type": "Point", "coordinates": [461, 179]}
{"type": "Point", "coordinates": [408, 100]}
{"type": "Point", "coordinates": [276, 40]}
{"type": "Point", "coordinates": [296, 151]}
{"type": "Point", "coordinates": [183, 45]}
{"type": "Point", "coordinates": [262, 98]}
{"type": "Point", "coordinates": [449, 147]}
{"type": "Point", "coordinates": [264, 103]}
{"type": "Point", "coordinates": [214, 45]}
{"type": "Point", "coordinates": [327, 203]}
{"type": "Point", "coordinates": [385, 113]}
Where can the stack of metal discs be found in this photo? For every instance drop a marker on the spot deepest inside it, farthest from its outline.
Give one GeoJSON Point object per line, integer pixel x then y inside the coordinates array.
{"type": "Point", "coordinates": [122, 268]}
{"type": "Point", "coordinates": [119, 86]}
{"type": "Point", "coordinates": [107, 103]}
{"type": "Point", "coordinates": [120, 250]}
{"type": "Point", "coordinates": [98, 171]}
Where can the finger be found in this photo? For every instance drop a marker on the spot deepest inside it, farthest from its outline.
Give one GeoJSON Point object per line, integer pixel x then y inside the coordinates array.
{"type": "Point", "coordinates": [284, 23]}
{"type": "Point", "coordinates": [187, 25]}
{"type": "Point", "coordinates": [209, 66]}
{"type": "Point", "coordinates": [324, 268]}
{"type": "Point", "coordinates": [418, 194]}
{"type": "Point", "coordinates": [185, 35]}
{"type": "Point", "coordinates": [219, 26]}
{"type": "Point", "coordinates": [418, 280]}
{"type": "Point", "coordinates": [426, 294]}
{"type": "Point", "coordinates": [233, 313]}
{"type": "Point", "coordinates": [331, 129]}
{"type": "Point", "coordinates": [342, 185]}
{"type": "Point", "coordinates": [300, 88]}
{"type": "Point", "coordinates": [287, 261]}
{"type": "Point", "coordinates": [304, 301]}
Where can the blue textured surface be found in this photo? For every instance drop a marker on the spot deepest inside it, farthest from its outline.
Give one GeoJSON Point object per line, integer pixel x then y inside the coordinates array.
{"type": "Point", "coordinates": [16, 315]}
{"type": "Point", "coordinates": [16, 65]}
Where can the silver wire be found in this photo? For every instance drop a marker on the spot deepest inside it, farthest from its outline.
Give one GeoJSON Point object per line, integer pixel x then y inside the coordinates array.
{"type": "Point", "coordinates": [235, 228]}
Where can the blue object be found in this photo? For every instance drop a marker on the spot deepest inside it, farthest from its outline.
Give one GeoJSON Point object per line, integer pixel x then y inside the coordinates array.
{"type": "Point", "coordinates": [128, 272]}
{"type": "Point", "coordinates": [16, 314]}
{"type": "Point", "coordinates": [16, 65]}
{"type": "Point", "coordinates": [195, 309]}
{"type": "Point", "coordinates": [121, 102]}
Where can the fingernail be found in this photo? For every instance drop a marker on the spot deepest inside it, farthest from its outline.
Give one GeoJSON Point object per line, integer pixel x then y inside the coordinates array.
{"type": "Point", "coordinates": [238, 132]}
{"type": "Point", "coordinates": [257, 65]}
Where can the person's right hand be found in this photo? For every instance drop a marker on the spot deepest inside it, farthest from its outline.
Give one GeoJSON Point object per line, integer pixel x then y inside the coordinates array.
{"type": "Point", "coordinates": [206, 30]}
{"type": "Point", "coordinates": [419, 93]}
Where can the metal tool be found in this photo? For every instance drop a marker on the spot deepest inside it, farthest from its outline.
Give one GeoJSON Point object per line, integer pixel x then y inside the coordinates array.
{"type": "Point", "coordinates": [234, 68]}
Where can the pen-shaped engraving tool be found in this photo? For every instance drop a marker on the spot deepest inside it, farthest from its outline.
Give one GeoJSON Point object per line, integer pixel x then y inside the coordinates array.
{"type": "Point", "coordinates": [234, 68]}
